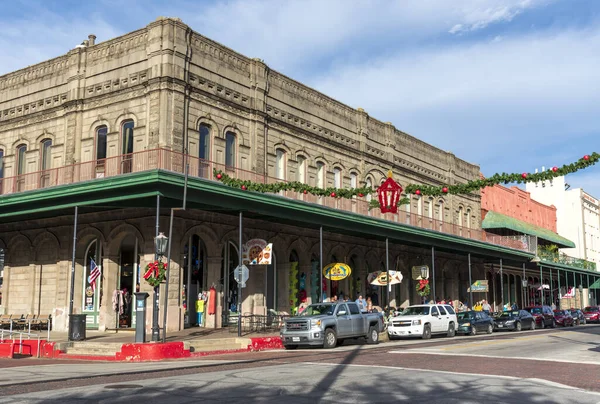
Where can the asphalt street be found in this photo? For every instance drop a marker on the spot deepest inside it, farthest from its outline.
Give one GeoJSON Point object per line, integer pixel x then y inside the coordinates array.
{"type": "Point", "coordinates": [549, 366]}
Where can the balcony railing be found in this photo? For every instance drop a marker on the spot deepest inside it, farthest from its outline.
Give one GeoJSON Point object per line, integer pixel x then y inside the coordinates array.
{"type": "Point", "coordinates": [175, 161]}
{"type": "Point", "coordinates": [560, 258]}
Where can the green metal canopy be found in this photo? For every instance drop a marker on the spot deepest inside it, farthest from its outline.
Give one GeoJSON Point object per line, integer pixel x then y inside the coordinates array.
{"type": "Point", "coordinates": [595, 285]}
{"type": "Point", "coordinates": [495, 220]}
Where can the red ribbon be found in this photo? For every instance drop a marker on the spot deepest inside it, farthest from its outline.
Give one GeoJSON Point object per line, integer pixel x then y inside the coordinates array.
{"type": "Point", "coordinates": [153, 270]}
{"type": "Point", "coordinates": [423, 283]}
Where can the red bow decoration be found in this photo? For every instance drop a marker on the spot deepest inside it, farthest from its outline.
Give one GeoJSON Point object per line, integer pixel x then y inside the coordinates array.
{"type": "Point", "coordinates": [153, 270]}
{"type": "Point", "coordinates": [423, 283]}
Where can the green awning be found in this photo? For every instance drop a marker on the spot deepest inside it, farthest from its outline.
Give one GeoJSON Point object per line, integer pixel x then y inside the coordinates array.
{"type": "Point", "coordinates": [595, 285]}
{"type": "Point", "coordinates": [495, 220]}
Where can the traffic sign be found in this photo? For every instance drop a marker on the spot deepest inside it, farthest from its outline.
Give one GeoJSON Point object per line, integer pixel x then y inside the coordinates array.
{"type": "Point", "coordinates": [241, 275]}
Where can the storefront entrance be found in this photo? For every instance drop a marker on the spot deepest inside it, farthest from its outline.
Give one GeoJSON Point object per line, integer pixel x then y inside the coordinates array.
{"type": "Point", "coordinates": [195, 274]}
{"type": "Point", "coordinates": [127, 282]}
{"type": "Point", "coordinates": [92, 284]}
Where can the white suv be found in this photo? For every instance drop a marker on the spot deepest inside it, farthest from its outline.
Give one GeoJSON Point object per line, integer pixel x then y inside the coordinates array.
{"type": "Point", "coordinates": [422, 321]}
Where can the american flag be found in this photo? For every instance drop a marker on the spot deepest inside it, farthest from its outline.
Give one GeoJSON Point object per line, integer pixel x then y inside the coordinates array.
{"type": "Point", "coordinates": [94, 274]}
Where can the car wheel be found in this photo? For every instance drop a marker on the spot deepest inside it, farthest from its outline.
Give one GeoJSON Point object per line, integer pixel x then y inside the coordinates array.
{"type": "Point", "coordinates": [330, 339]}
{"type": "Point", "coordinates": [373, 337]}
{"type": "Point", "coordinates": [532, 325]}
{"type": "Point", "coordinates": [518, 326]}
{"type": "Point", "coordinates": [543, 324]}
{"type": "Point", "coordinates": [426, 332]}
{"type": "Point", "coordinates": [451, 330]}
{"type": "Point", "coordinates": [289, 347]}
{"type": "Point", "coordinates": [553, 323]}
{"type": "Point", "coordinates": [584, 321]}
{"type": "Point", "coordinates": [473, 330]}
{"type": "Point", "coordinates": [490, 329]}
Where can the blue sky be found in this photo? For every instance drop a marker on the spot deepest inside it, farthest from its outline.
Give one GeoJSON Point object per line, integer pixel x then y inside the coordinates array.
{"type": "Point", "coordinates": [511, 85]}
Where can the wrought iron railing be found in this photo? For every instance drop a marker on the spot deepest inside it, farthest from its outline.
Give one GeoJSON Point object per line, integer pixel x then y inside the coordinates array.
{"type": "Point", "coordinates": [175, 161]}
{"type": "Point", "coordinates": [560, 258]}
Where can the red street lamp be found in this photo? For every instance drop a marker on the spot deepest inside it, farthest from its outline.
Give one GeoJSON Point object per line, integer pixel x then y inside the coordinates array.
{"type": "Point", "coordinates": [389, 195]}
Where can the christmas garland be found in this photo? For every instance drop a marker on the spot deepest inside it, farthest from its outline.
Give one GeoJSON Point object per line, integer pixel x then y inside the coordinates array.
{"type": "Point", "coordinates": [423, 287]}
{"type": "Point", "coordinates": [156, 273]}
{"type": "Point", "coordinates": [429, 190]}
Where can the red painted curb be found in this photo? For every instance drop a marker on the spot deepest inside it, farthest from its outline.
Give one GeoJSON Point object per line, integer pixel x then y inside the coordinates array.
{"type": "Point", "coordinates": [132, 352]}
{"type": "Point", "coordinates": [262, 343]}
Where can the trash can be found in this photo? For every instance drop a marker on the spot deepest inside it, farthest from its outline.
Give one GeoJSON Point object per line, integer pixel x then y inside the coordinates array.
{"type": "Point", "coordinates": [77, 327]}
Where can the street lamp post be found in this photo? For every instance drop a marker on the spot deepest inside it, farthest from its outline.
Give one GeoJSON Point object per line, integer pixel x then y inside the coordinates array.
{"type": "Point", "coordinates": [580, 296]}
{"type": "Point", "coordinates": [160, 245]}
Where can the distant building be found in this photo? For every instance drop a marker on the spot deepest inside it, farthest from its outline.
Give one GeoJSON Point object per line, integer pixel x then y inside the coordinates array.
{"type": "Point", "coordinates": [577, 213]}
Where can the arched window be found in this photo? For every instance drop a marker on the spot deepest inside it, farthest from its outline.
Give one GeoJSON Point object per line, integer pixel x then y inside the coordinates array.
{"type": "Point", "coordinates": [280, 170]}
{"type": "Point", "coordinates": [21, 150]}
{"type": "Point", "coordinates": [468, 218]}
{"type": "Point", "coordinates": [441, 210]}
{"type": "Point", "coordinates": [430, 208]}
{"type": "Point", "coordinates": [101, 132]}
{"type": "Point", "coordinates": [320, 174]}
{"type": "Point", "coordinates": [127, 136]}
{"type": "Point", "coordinates": [369, 184]}
{"type": "Point", "coordinates": [204, 150]}
{"type": "Point", "coordinates": [460, 216]}
{"type": "Point", "coordinates": [92, 282]}
{"type": "Point", "coordinates": [337, 177]}
{"type": "Point", "coordinates": [230, 149]}
{"type": "Point", "coordinates": [301, 174]}
{"type": "Point", "coordinates": [353, 180]}
{"type": "Point", "coordinates": [45, 161]}
{"type": "Point", "coordinates": [1, 165]}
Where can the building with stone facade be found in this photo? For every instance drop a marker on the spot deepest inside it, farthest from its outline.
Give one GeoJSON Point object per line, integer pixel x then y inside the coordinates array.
{"type": "Point", "coordinates": [110, 127]}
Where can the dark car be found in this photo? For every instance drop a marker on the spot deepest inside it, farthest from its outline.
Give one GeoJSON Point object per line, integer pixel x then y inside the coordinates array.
{"type": "Point", "coordinates": [592, 314]}
{"type": "Point", "coordinates": [514, 320]}
{"type": "Point", "coordinates": [473, 322]}
{"type": "Point", "coordinates": [544, 317]}
{"type": "Point", "coordinates": [564, 318]}
{"type": "Point", "coordinates": [578, 316]}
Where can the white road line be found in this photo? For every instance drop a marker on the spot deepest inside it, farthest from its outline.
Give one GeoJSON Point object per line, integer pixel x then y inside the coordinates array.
{"type": "Point", "coordinates": [476, 375]}
{"type": "Point", "coordinates": [424, 352]}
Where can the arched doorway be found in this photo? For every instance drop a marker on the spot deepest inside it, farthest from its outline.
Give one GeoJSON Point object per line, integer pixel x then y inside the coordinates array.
{"type": "Point", "coordinates": [92, 284]}
{"type": "Point", "coordinates": [195, 277]}
{"type": "Point", "coordinates": [228, 285]}
{"type": "Point", "coordinates": [127, 281]}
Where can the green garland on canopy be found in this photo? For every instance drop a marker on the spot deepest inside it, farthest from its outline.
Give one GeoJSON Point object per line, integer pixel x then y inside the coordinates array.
{"type": "Point", "coordinates": [504, 178]}
{"type": "Point", "coordinates": [428, 190]}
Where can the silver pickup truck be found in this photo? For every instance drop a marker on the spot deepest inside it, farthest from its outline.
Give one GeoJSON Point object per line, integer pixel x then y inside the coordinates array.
{"type": "Point", "coordinates": [328, 324]}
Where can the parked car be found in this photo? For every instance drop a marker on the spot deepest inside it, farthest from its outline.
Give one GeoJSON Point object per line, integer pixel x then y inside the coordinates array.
{"type": "Point", "coordinates": [544, 317]}
{"type": "Point", "coordinates": [564, 318]}
{"type": "Point", "coordinates": [472, 322]}
{"type": "Point", "coordinates": [592, 313]}
{"type": "Point", "coordinates": [578, 316]}
{"type": "Point", "coordinates": [328, 324]}
{"type": "Point", "coordinates": [423, 321]}
{"type": "Point", "coordinates": [515, 320]}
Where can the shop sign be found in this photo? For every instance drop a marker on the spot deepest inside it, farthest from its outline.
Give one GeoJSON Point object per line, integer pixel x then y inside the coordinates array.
{"type": "Point", "coordinates": [479, 286]}
{"type": "Point", "coordinates": [337, 271]}
{"type": "Point", "coordinates": [257, 252]}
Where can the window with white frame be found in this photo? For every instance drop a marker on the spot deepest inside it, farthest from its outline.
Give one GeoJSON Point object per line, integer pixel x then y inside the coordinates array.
{"type": "Point", "coordinates": [230, 149]}
{"type": "Point", "coordinates": [430, 208]}
{"type": "Point", "coordinates": [320, 174]}
{"type": "Point", "coordinates": [468, 218]}
{"type": "Point", "coordinates": [21, 150]}
{"type": "Point", "coordinates": [301, 174]}
{"type": "Point", "coordinates": [45, 160]}
{"type": "Point", "coordinates": [369, 184]}
{"type": "Point", "coordinates": [101, 132]}
{"type": "Point", "coordinates": [337, 177]}
{"type": "Point", "coordinates": [204, 149]}
{"type": "Point", "coordinates": [280, 156]}
{"type": "Point", "coordinates": [460, 216]}
{"type": "Point", "coordinates": [441, 211]}
{"type": "Point", "coordinates": [127, 136]}
{"type": "Point", "coordinates": [353, 180]}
